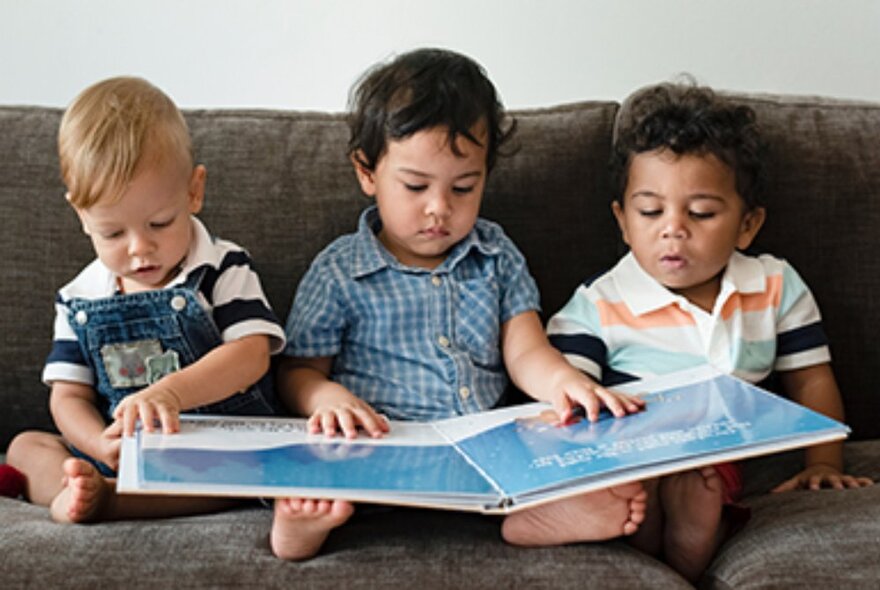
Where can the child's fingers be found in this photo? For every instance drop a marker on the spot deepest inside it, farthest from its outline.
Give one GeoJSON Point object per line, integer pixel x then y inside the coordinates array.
{"type": "Point", "coordinates": [563, 408]}
{"type": "Point", "coordinates": [148, 416]}
{"type": "Point", "coordinates": [347, 423]}
{"type": "Point", "coordinates": [129, 419]}
{"type": "Point", "coordinates": [372, 422]}
{"type": "Point", "coordinates": [328, 423]}
{"type": "Point", "coordinates": [587, 398]}
{"type": "Point", "coordinates": [114, 430]}
{"type": "Point", "coordinates": [633, 403]}
{"type": "Point", "coordinates": [613, 402]}
{"type": "Point", "coordinates": [787, 486]}
{"type": "Point", "coordinates": [314, 424]}
{"type": "Point", "coordinates": [169, 419]}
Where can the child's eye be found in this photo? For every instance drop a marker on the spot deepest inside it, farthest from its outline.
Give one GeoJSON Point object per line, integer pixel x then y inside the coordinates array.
{"type": "Point", "coordinates": [112, 235]}
{"type": "Point", "coordinates": [161, 224]}
{"type": "Point", "coordinates": [462, 190]}
{"type": "Point", "coordinates": [702, 214]}
{"type": "Point", "coordinates": [415, 188]}
{"type": "Point", "coordinates": [650, 212]}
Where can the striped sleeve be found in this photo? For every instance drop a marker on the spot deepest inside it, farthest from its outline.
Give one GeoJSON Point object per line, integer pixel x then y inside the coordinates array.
{"type": "Point", "coordinates": [66, 361]}
{"type": "Point", "coordinates": [800, 338]}
{"type": "Point", "coordinates": [239, 305]}
{"type": "Point", "coordinates": [575, 331]}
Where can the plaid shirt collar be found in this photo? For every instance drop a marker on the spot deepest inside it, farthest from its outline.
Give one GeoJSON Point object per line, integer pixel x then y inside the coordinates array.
{"type": "Point", "coordinates": [371, 256]}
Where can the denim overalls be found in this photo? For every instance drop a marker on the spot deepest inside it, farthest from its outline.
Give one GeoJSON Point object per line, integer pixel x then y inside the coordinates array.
{"type": "Point", "coordinates": [131, 341]}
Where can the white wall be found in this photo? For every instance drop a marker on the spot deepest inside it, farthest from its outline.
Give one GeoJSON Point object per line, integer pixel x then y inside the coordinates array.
{"type": "Point", "coordinates": [305, 54]}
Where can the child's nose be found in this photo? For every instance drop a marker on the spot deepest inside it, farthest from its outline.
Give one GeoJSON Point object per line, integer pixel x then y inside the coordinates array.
{"type": "Point", "coordinates": [439, 204]}
{"type": "Point", "coordinates": [675, 227]}
{"type": "Point", "coordinates": [139, 244]}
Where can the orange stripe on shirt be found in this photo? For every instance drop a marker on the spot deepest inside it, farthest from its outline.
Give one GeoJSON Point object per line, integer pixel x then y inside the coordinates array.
{"type": "Point", "coordinates": [618, 314]}
{"type": "Point", "coordinates": [769, 298]}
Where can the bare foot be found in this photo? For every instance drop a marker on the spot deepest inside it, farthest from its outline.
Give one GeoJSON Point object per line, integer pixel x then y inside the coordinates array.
{"type": "Point", "coordinates": [85, 492]}
{"type": "Point", "coordinates": [693, 504]}
{"type": "Point", "coordinates": [596, 516]}
{"type": "Point", "coordinates": [300, 525]}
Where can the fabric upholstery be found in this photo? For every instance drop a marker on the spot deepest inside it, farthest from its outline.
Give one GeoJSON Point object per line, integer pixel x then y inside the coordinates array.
{"type": "Point", "coordinates": [279, 183]}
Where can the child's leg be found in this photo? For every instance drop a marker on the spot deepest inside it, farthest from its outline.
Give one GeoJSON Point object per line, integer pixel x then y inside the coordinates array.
{"type": "Point", "coordinates": [39, 456]}
{"type": "Point", "coordinates": [90, 497]}
{"type": "Point", "coordinates": [693, 503]}
{"type": "Point", "coordinates": [596, 516]}
{"type": "Point", "coordinates": [300, 526]}
{"type": "Point", "coordinates": [74, 491]}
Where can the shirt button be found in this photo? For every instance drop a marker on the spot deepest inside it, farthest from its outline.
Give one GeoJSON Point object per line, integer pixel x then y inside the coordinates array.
{"type": "Point", "coordinates": [437, 281]}
{"type": "Point", "coordinates": [464, 392]}
{"type": "Point", "coordinates": [178, 302]}
{"type": "Point", "coordinates": [443, 341]}
{"type": "Point", "coordinates": [81, 317]}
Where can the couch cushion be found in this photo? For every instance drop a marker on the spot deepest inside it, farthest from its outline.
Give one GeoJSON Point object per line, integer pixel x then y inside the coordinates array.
{"type": "Point", "coordinates": [821, 539]}
{"type": "Point", "coordinates": [382, 548]}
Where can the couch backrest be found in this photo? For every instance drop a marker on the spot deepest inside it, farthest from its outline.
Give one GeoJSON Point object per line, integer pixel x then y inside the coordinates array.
{"type": "Point", "coordinates": [279, 183]}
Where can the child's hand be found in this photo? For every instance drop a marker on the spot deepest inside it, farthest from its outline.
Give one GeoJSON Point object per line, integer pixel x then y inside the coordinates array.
{"type": "Point", "coordinates": [344, 411]}
{"type": "Point", "coordinates": [156, 402]}
{"type": "Point", "coordinates": [577, 390]}
{"type": "Point", "coordinates": [821, 476]}
{"type": "Point", "coordinates": [109, 442]}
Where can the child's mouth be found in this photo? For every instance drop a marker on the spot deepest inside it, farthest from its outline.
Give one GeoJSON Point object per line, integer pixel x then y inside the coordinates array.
{"type": "Point", "coordinates": [672, 261]}
{"type": "Point", "coordinates": [435, 232]}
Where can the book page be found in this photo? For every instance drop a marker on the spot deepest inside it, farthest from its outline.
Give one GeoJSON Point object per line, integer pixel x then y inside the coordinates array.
{"type": "Point", "coordinates": [695, 423]}
{"type": "Point", "coordinates": [278, 457]}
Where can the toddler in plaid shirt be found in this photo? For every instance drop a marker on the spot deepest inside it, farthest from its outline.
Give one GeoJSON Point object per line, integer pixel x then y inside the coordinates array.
{"type": "Point", "coordinates": [424, 312]}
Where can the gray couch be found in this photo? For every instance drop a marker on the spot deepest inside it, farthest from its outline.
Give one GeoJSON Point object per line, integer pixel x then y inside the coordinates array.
{"type": "Point", "coordinates": [279, 183]}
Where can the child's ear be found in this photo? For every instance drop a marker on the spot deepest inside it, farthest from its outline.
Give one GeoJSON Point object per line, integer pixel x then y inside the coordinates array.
{"type": "Point", "coordinates": [621, 220]}
{"type": "Point", "coordinates": [196, 189]}
{"type": "Point", "coordinates": [365, 176]}
{"type": "Point", "coordinates": [749, 227]}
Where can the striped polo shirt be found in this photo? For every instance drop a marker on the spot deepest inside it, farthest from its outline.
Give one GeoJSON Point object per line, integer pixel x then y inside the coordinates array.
{"type": "Point", "coordinates": [625, 324]}
{"type": "Point", "coordinates": [229, 290]}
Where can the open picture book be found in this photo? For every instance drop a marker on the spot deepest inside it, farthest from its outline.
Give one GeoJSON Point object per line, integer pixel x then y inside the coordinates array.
{"type": "Point", "coordinates": [494, 462]}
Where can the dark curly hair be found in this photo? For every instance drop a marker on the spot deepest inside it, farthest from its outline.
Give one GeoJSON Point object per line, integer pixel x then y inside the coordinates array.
{"type": "Point", "coordinates": [689, 119]}
{"type": "Point", "coordinates": [423, 89]}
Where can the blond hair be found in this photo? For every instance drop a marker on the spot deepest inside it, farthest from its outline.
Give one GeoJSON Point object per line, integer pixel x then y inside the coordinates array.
{"type": "Point", "coordinates": [107, 131]}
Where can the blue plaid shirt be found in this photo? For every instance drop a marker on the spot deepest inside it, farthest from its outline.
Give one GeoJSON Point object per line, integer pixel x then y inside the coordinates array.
{"type": "Point", "coordinates": [416, 344]}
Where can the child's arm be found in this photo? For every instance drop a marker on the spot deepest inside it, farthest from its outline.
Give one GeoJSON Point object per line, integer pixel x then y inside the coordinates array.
{"type": "Point", "coordinates": [224, 371]}
{"type": "Point", "coordinates": [306, 389]}
{"type": "Point", "coordinates": [542, 372]}
{"type": "Point", "coordinates": [816, 388]}
{"type": "Point", "coordinates": [77, 417]}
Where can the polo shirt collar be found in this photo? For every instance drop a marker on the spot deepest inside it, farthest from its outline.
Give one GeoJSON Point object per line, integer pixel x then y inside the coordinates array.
{"type": "Point", "coordinates": [201, 252]}
{"type": "Point", "coordinates": [643, 294]}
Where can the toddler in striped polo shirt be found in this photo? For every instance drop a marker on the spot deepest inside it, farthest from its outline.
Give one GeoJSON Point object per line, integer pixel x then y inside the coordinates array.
{"type": "Point", "coordinates": [424, 311]}
{"type": "Point", "coordinates": [166, 318]}
{"type": "Point", "coordinates": [688, 167]}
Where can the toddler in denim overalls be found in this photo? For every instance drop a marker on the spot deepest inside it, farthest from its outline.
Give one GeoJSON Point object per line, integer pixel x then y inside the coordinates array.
{"type": "Point", "coordinates": [166, 319]}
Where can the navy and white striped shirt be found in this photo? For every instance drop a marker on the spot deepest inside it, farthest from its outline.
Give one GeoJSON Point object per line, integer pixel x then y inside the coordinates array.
{"type": "Point", "coordinates": [230, 291]}
{"type": "Point", "coordinates": [416, 344]}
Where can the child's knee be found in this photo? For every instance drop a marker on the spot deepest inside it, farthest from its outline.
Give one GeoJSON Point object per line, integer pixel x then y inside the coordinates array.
{"type": "Point", "coordinates": [25, 444]}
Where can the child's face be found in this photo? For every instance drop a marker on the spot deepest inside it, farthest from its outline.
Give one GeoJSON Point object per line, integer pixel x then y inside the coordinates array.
{"type": "Point", "coordinates": [144, 237]}
{"type": "Point", "coordinates": [428, 197]}
{"type": "Point", "coordinates": [683, 218]}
